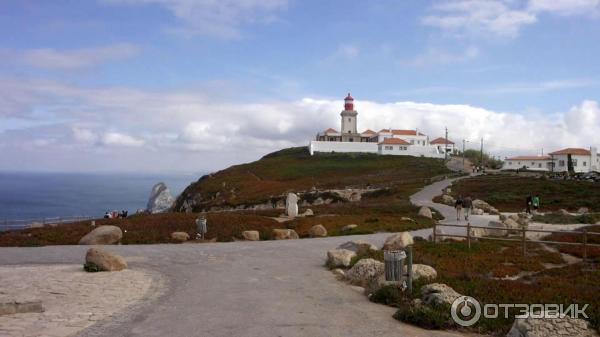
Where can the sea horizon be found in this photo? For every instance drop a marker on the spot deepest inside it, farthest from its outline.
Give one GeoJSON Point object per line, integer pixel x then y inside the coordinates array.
{"type": "Point", "coordinates": [43, 194]}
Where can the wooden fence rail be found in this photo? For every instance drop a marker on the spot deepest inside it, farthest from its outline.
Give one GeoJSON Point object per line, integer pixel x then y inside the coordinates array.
{"type": "Point", "coordinates": [522, 237]}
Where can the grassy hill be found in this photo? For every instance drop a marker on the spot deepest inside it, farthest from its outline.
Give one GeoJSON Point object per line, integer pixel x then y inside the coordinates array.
{"type": "Point", "coordinates": [295, 170]}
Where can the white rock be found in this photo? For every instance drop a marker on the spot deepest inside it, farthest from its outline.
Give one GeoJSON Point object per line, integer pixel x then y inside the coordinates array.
{"type": "Point", "coordinates": [364, 270]}
{"type": "Point", "coordinates": [103, 235]}
{"type": "Point", "coordinates": [308, 212]}
{"type": "Point", "coordinates": [549, 327]}
{"type": "Point", "coordinates": [284, 234]}
{"type": "Point", "coordinates": [423, 271]}
{"type": "Point", "coordinates": [318, 231]}
{"type": "Point", "coordinates": [497, 229]}
{"type": "Point", "coordinates": [439, 235]}
{"type": "Point", "coordinates": [348, 228]}
{"type": "Point", "coordinates": [477, 211]}
{"type": "Point", "coordinates": [425, 212]}
{"type": "Point", "coordinates": [180, 236]}
{"type": "Point", "coordinates": [160, 200]}
{"type": "Point", "coordinates": [339, 258]}
{"type": "Point", "coordinates": [291, 205]}
{"type": "Point", "coordinates": [448, 200]}
{"type": "Point", "coordinates": [104, 260]}
{"type": "Point", "coordinates": [398, 241]}
{"type": "Point", "coordinates": [251, 235]}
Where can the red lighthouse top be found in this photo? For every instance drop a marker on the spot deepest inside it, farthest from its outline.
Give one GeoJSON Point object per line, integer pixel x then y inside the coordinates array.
{"type": "Point", "coordinates": [348, 102]}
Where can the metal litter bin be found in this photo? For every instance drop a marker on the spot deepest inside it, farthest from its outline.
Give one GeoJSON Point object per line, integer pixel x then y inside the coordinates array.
{"type": "Point", "coordinates": [201, 227]}
{"type": "Point", "coordinates": [394, 261]}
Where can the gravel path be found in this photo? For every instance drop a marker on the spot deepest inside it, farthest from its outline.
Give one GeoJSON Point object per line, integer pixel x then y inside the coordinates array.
{"type": "Point", "coordinates": [270, 288]}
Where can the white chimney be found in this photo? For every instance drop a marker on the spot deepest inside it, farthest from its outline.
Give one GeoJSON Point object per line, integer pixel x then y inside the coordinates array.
{"type": "Point", "coordinates": [594, 159]}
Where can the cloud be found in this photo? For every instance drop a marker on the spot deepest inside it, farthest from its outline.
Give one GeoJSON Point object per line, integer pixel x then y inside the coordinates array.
{"type": "Point", "coordinates": [50, 58]}
{"type": "Point", "coordinates": [503, 18]}
{"type": "Point", "coordinates": [221, 18]}
{"type": "Point", "coordinates": [190, 130]}
{"type": "Point", "coordinates": [435, 56]}
{"type": "Point", "coordinates": [120, 139]}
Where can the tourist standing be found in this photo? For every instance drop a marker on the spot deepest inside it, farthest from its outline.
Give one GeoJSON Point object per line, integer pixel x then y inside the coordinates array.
{"type": "Point", "coordinates": [468, 205]}
{"type": "Point", "coordinates": [459, 206]}
{"type": "Point", "coordinates": [528, 203]}
{"type": "Point", "coordinates": [535, 201]}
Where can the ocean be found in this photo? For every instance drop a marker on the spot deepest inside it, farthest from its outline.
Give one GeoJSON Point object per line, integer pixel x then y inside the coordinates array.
{"type": "Point", "coordinates": [44, 195]}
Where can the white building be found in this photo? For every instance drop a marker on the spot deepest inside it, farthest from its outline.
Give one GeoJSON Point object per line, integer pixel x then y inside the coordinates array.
{"type": "Point", "coordinates": [386, 141]}
{"type": "Point", "coordinates": [444, 144]}
{"type": "Point", "coordinates": [583, 161]}
{"type": "Point", "coordinates": [532, 163]}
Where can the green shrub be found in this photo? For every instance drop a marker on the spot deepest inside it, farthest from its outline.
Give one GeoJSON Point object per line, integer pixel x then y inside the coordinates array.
{"type": "Point", "coordinates": [91, 267]}
{"type": "Point", "coordinates": [428, 317]}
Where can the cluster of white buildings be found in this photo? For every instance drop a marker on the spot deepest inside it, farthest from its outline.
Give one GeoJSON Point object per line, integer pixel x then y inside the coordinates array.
{"type": "Point", "coordinates": [583, 160]}
{"type": "Point", "coordinates": [384, 142]}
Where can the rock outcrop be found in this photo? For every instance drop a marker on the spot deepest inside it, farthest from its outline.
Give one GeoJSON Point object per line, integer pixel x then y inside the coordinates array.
{"type": "Point", "coordinates": [448, 200]}
{"type": "Point", "coordinates": [438, 293]}
{"type": "Point", "coordinates": [103, 235]}
{"type": "Point", "coordinates": [398, 241]}
{"type": "Point", "coordinates": [498, 229]}
{"type": "Point", "coordinates": [363, 271]}
{"type": "Point", "coordinates": [160, 200]}
{"type": "Point", "coordinates": [284, 234]}
{"type": "Point", "coordinates": [546, 327]}
{"type": "Point", "coordinates": [358, 246]}
{"type": "Point", "coordinates": [318, 231]}
{"type": "Point", "coordinates": [348, 228]}
{"type": "Point", "coordinates": [104, 260]}
{"type": "Point", "coordinates": [423, 271]}
{"type": "Point", "coordinates": [339, 258]}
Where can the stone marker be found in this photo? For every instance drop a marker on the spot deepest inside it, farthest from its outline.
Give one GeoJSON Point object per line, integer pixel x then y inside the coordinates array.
{"type": "Point", "coordinates": [251, 235]}
{"type": "Point", "coordinates": [103, 235]}
{"type": "Point", "coordinates": [105, 261]}
{"type": "Point", "coordinates": [291, 205]}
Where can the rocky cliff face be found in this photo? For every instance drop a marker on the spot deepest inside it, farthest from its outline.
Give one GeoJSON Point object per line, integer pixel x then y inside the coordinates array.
{"type": "Point", "coordinates": [160, 200]}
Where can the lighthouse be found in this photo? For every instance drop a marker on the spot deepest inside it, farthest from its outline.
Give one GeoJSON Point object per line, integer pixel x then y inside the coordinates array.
{"type": "Point", "coordinates": [349, 131]}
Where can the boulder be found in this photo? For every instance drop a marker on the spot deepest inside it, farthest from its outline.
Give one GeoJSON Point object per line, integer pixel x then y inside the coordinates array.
{"type": "Point", "coordinates": [348, 228]}
{"type": "Point", "coordinates": [358, 246]}
{"type": "Point", "coordinates": [438, 293]}
{"type": "Point", "coordinates": [251, 235]}
{"type": "Point", "coordinates": [439, 235]}
{"type": "Point", "coordinates": [160, 200]}
{"type": "Point", "coordinates": [425, 212]}
{"type": "Point", "coordinates": [105, 261]}
{"type": "Point", "coordinates": [339, 258]}
{"type": "Point", "coordinates": [398, 241]}
{"type": "Point", "coordinates": [477, 211]}
{"type": "Point", "coordinates": [318, 231]}
{"type": "Point", "coordinates": [103, 235]}
{"type": "Point", "coordinates": [291, 205]}
{"type": "Point", "coordinates": [493, 211]}
{"type": "Point", "coordinates": [478, 232]}
{"type": "Point", "coordinates": [180, 236]}
{"type": "Point", "coordinates": [478, 203]}
{"type": "Point", "coordinates": [405, 218]}
{"type": "Point", "coordinates": [583, 210]}
{"type": "Point", "coordinates": [308, 212]}
{"type": "Point", "coordinates": [423, 271]}
{"type": "Point", "coordinates": [512, 224]}
{"type": "Point", "coordinates": [563, 211]}
{"type": "Point", "coordinates": [502, 217]}
{"type": "Point", "coordinates": [541, 327]}
{"type": "Point", "coordinates": [497, 229]}
{"type": "Point", "coordinates": [284, 234]}
{"type": "Point", "coordinates": [339, 273]}
{"type": "Point", "coordinates": [364, 270]}
{"type": "Point", "coordinates": [514, 217]}
{"type": "Point", "coordinates": [448, 200]}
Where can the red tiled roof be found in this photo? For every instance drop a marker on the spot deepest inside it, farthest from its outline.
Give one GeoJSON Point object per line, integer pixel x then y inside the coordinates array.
{"type": "Point", "coordinates": [441, 140]}
{"type": "Point", "coordinates": [402, 132]}
{"type": "Point", "coordinates": [572, 150]}
{"type": "Point", "coordinates": [331, 130]}
{"type": "Point", "coordinates": [395, 141]}
{"type": "Point", "coordinates": [369, 131]}
{"type": "Point", "coordinates": [530, 158]}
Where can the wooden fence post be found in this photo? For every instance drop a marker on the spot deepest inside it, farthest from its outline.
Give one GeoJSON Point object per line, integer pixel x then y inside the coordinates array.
{"type": "Point", "coordinates": [469, 235]}
{"type": "Point", "coordinates": [434, 230]}
{"type": "Point", "coordinates": [584, 244]}
{"type": "Point", "coordinates": [524, 231]}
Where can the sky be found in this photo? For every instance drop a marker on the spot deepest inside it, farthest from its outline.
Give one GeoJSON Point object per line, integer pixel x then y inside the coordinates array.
{"type": "Point", "coordinates": [167, 86]}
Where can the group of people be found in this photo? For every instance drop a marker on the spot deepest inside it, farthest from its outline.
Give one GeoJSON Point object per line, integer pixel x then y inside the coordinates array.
{"type": "Point", "coordinates": [115, 214]}
{"type": "Point", "coordinates": [461, 204]}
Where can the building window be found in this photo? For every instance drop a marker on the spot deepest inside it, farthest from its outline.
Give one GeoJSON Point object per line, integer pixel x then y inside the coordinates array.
{"type": "Point", "coordinates": [561, 163]}
{"type": "Point", "coordinates": [389, 147]}
{"type": "Point", "coordinates": [412, 141]}
{"type": "Point", "coordinates": [532, 164]}
{"type": "Point", "coordinates": [349, 131]}
{"type": "Point", "coordinates": [574, 162]}
{"type": "Point", "coordinates": [351, 139]}
{"type": "Point", "coordinates": [584, 163]}
{"type": "Point", "coordinates": [349, 120]}
{"type": "Point", "coordinates": [540, 165]}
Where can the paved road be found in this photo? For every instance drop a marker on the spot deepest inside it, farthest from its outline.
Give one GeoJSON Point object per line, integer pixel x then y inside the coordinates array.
{"type": "Point", "coordinates": [271, 288]}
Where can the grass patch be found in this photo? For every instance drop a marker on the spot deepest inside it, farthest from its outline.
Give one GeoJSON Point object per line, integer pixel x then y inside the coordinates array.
{"type": "Point", "coordinates": [557, 218]}
{"type": "Point", "coordinates": [508, 192]}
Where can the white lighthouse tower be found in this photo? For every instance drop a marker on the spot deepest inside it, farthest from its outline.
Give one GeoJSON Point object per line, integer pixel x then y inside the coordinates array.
{"type": "Point", "coordinates": [349, 132]}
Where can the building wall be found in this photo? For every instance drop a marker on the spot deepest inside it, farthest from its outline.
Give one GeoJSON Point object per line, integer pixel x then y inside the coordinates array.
{"type": "Point", "coordinates": [533, 165]}
{"type": "Point", "coordinates": [349, 122]}
{"type": "Point", "coordinates": [364, 147]}
{"type": "Point", "coordinates": [580, 167]}
{"type": "Point", "coordinates": [409, 150]}
{"type": "Point", "coordinates": [418, 140]}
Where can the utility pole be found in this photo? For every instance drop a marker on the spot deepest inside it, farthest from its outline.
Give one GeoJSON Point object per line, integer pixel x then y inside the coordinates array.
{"type": "Point", "coordinates": [482, 166]}
{"type": "Point", "coordinates": [446, 146]}
{"type": "Point", "coordinates": [463, 154]}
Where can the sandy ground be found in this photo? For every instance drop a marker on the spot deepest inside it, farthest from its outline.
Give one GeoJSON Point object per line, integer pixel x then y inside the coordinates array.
{"type": "Point", "coordinates": [72, 298]}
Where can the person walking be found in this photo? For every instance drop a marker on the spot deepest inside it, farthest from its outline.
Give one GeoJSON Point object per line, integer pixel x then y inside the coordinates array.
{"type": "Point", "coordinates": [528, 203]}
{"type": "Point", "coordinates": [459, 206]}
{"type": "Point", "coordinates": [468, 205]}
{"type": "Point", "coordinates": [535, 201]}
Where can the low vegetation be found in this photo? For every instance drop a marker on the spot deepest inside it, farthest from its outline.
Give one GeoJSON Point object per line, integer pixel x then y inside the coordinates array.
{"type": "Point", "coordinates": [558, 218]}
{"type": "Point", "coordinates": [494, 272]}
{"type": "Point", "coordinates": [508, 192]}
